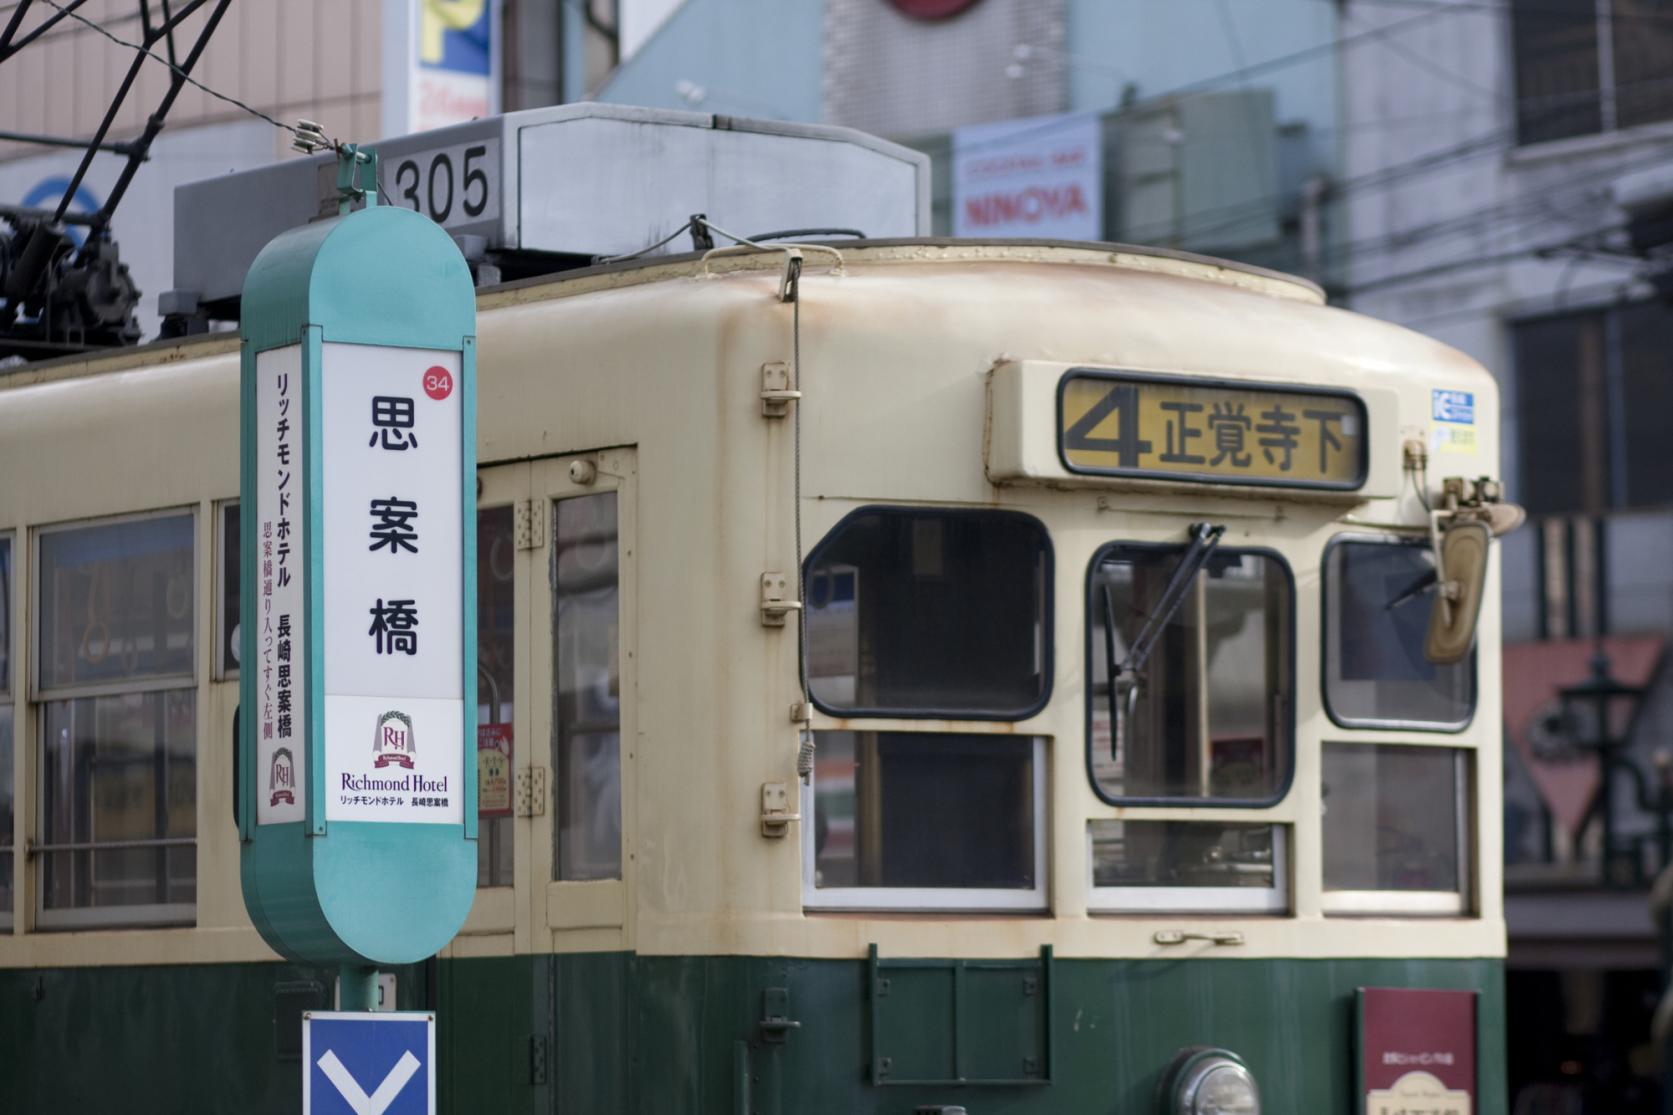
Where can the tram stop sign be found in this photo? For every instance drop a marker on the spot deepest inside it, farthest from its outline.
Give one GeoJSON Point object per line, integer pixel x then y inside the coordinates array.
{"type": "Point", "coordinates": [357, 809]}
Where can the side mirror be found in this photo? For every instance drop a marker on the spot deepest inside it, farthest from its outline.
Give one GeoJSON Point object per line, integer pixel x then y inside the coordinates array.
{"type": "Point", "coordinates": [1461, 575]}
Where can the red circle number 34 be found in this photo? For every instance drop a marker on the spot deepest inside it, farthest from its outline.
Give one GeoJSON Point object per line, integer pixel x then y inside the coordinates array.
{"type": "Point", "coordinates": [438, 382]}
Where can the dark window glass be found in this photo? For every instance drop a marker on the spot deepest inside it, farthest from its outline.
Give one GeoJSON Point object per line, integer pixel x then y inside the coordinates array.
{"type": "Point", "coordinates": [929, 612]}
{"type": "Point", "coordinates": [1559, 461]}
{"type": "Point", "coordinates": [1556, 48]}
{"type": "Point", "coordinates": [586, 616]}
{"type": "Point", "coordinates": [1378, 596]}
{"type": "Point", "coordinates": [227, 649]}
{"type": "Point", "coordinates": [120, 770]}
{"type": "Point", "coordinates": [6, 806]}
{"type": "Point", "coordinates": [116, 602]}
{"type": "Point", "coordinates": [1643, 38]}
{"type": "Point", "coordinates": [903, 809]}
{"type": "Point", "coordinates": [1210, 716]}
{"type": "Point", "coordinates": [496, 691]}
{"type": "Point", "coordinates": [1392, 817]}
{"type": "Point", "coordinates": [5, 621]}
{"type": "Point", "coordinates": [1183, 854]}
{"type": "Point", "coordinates": [1646, 330]}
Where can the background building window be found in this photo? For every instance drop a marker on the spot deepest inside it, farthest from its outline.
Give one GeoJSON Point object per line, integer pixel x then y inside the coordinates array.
{"type": "Point", "coordinates": [586, 619]}
{"type": "Point", "coordinates": [116, 660]}
{"type": "Point", "coordinates": [1592, 393]}
{"type": "Point", "coordinates": [1586, 66]}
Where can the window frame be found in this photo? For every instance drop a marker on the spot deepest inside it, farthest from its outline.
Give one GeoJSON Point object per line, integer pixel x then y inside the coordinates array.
{"type": "Point", "coordinates": [1603, 21]}
{"type": "Point", "coordinates": [1048, 664]}
{"type": "Point", "coordinates": [1326, 625]}
{"type": "Point", "coordinates": [896, 900]}
{"type": "Point", "coordinates": [144, 915]}
{"type": "Point", "coordinates": [1415, 903]}
{"type": "Point", "coordinates": [1278, 900]}
{"type": "Point", "coordinates": [1283, 788]}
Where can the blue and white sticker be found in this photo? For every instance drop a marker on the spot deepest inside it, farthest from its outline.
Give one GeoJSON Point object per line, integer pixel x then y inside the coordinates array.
{"type": "Point", "coordinates": [1454, 406]}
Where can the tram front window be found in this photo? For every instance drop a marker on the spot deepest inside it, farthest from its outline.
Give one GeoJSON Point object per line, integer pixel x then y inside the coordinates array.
{"type": "Point", "coordinates": [1207, 715]}
{"type": "Point", "coordinates": [1378, 595]}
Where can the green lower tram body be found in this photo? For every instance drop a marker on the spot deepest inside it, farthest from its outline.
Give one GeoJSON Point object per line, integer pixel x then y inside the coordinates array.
{"type": "Point", "coordinates": [603, 1033]}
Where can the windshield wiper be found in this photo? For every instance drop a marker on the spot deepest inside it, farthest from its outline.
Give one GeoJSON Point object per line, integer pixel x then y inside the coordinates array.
{"type": "Point", "coordinates": [1125, 674]}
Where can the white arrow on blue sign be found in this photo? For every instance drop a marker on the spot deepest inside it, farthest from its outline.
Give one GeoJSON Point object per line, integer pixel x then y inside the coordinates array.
{"type": "Point", "coordinates": [368, 1063]}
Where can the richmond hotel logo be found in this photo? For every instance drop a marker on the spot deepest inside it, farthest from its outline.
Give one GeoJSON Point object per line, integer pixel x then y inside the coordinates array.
{"type": "Point", "coordinates": [392, 740]}
{"type": "Point", "coordinates": [281, 778]}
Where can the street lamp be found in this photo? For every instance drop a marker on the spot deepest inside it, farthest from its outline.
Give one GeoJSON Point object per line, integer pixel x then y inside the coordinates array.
{"type": "Point", "coordinates": [1597, 715]}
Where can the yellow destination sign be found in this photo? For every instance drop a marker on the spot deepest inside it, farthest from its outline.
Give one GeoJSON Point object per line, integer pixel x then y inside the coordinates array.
{"type": "Point", "coordinates": [1212, 431]}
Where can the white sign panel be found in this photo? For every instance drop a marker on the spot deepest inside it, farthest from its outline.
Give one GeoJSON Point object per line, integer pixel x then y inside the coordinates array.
{"type": "Point", "coordinates": [394, 712]}
{"type": "Point", "coordinates": [1040, 177]}
{"type": "Point", "coordinates": [280, 620]}
{"type": "Point", "coordinates": [440, 63]}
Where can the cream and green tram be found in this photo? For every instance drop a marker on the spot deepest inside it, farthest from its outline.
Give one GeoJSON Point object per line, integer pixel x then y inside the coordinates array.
{"type": "Point", "coordinates": [915, 676]}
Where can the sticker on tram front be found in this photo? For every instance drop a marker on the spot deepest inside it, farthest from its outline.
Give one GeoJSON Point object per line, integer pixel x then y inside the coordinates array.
{"type": "Point", "coordinates": [1454, 429]}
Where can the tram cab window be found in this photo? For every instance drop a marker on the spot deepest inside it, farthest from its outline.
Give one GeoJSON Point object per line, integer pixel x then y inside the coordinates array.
{"type": "Point", "coordinates": [1185, 866]}
{"type": "Point", "coordinates": [922, 612]}
{"type": "Point", "coordinates": [1207, 716]}
{"type": "Point", "coordinates": [1394, 828]}
{"type": "Point", "coordinates": [7, 795]}
{"type": "Point", "coordinates": [116, 663]}
{"type": "Point", "coordinates": [926, 820]}
{"type": "Point", "coordinates": [1378, 593]}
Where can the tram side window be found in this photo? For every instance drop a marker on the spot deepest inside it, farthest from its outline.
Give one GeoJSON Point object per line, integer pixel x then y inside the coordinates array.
{"type": "Point", "coordinates": [116, 667]}
{"type": "Point", "coordinates": [496, 692]}
{"type": "Point", "coordinates": [7, 764]}
{"type": "Point", "coordinates": [1185, 866]}
{"type": "Point", "coordinates": [919, 612]}
{"type": "Point", "coordinates": [227, 588]}
{"type": "Point", "coordinates": [1378, 595]}
{"type": "Point", "coordinates": [586, 603]}
{"type": "Point", "coordinates": [1207, 717]}
{"type": "Point", "coordinates": [921, 820]}
{"type": "Point", "coordinates": [1395, 828]}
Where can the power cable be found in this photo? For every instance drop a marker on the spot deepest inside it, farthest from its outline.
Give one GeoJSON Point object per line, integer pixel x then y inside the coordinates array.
{"type": "Point", "coordinates": [182, 74]}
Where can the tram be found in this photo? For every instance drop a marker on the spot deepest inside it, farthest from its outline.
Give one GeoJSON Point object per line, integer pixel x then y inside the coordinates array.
{"type": "Point", "coordinates": [916, 676]}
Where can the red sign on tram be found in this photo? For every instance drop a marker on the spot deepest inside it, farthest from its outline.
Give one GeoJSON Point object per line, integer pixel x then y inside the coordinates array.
{"type": "Point", "coordinates": [1417, 1051]}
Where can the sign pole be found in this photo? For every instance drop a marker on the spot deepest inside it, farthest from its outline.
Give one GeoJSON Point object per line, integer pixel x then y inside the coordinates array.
{"type": "Point", "coordinates": [357, 731]}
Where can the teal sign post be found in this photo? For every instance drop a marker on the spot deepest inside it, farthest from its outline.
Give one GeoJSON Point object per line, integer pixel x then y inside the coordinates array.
{"type": "Point", "coordinates": [357, 805]}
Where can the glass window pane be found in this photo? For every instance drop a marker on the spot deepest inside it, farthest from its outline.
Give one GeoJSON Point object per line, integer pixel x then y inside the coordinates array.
{"type": "Point", "coordinates": [1182, 854]}
{"type": "Point", "coordinates": [1210, 715]}
{"type": "Point", "coordinates": [587, 741]}
{"type": "Point", "coordinates": [1557, 359]}
{"type": "Point", "coordinates": [1643, 38]}
{"type": "Point", "coordinates": [1646, 338]}
{"type": "Point", "coordinates": [119, 769]}
{"type": "Point", "coordinates": [1378, 597]}
{"type": "Point", "coordinates": [1392, 817]}
{"type": "Point", "coordinates": [226, 642]}
{"type": "Point", "coordinates": [906, 809]}
{"type": "Point", "coordinates": [929, 611]}
{"type": "Point", "coordinates": [5, 615]}
{"type": "Point", "coordinates": [116, 602]}
{"type": "Point", "coordinates": [6, 815]}
{"type": "Point", "coordinates": [1556, 48]}
{"type": "Point", "coordinates": [496, 691]}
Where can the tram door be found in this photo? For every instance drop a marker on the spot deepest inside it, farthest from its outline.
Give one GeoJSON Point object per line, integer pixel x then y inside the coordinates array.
{"type": "Point", "coordinates": [522, 1008]}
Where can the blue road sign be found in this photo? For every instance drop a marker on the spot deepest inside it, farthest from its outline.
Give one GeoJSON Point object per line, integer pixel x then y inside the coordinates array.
{"type": "Point", "coordinates": [368, 1064]}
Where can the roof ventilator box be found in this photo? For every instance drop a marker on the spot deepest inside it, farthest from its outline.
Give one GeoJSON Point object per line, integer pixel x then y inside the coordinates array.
{"type": "Point", "coordinates": [546, 190]}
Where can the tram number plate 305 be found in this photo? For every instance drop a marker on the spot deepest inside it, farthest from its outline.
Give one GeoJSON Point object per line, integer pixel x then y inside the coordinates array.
{"type": "Point", "coordinates": [452, 186]}
{"type": "Point", "coordinates": [1210, 431]}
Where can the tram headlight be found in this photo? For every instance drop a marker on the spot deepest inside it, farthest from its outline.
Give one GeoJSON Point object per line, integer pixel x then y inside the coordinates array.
{"type": "Point", "coordinates": [1211, 1082]}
